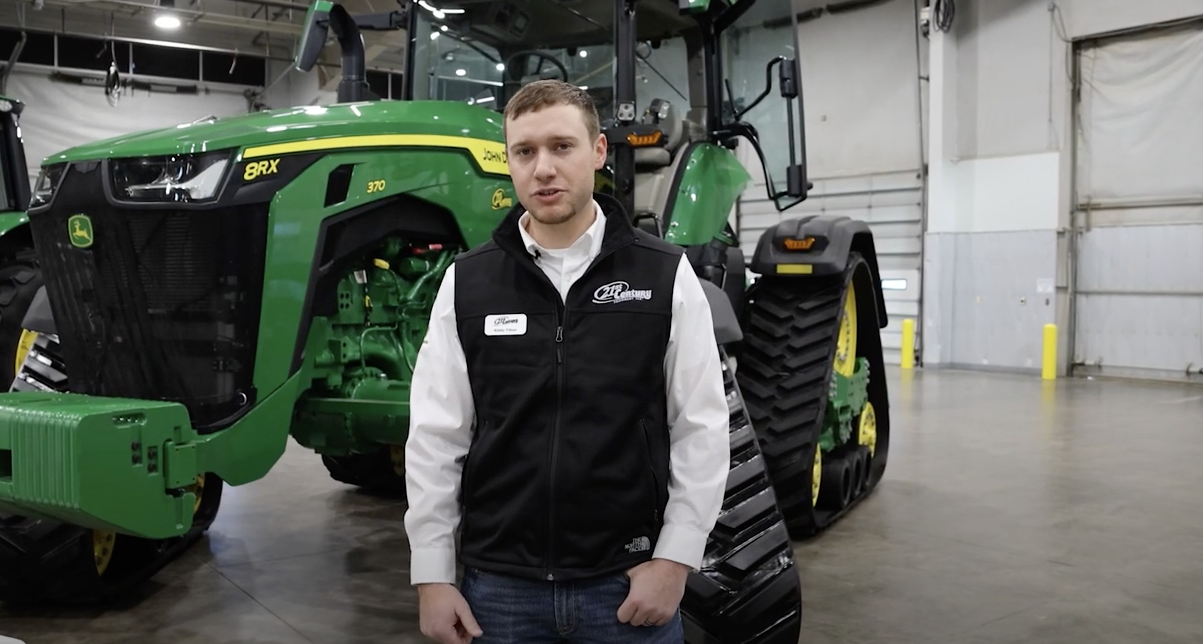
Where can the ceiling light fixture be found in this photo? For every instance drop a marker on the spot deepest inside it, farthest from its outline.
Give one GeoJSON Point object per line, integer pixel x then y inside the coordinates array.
{"type": "Point", "coordinates": [165, 19]}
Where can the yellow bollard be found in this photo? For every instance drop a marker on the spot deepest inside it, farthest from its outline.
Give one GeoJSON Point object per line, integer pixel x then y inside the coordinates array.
{"type": "Point", "coordinates": [1049, 372]}
{"type": "Point", "coordinates": [908, 344]}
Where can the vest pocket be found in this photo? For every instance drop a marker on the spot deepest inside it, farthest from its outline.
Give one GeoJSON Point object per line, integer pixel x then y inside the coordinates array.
{"type": "Point", "coordinates": [651, 468]}
{"type": "Point", "coordinates": [465, 481]}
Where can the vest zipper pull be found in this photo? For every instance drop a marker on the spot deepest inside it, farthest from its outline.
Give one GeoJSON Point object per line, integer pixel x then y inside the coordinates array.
{"type": "Point", "coordinates": [559, 339]}
{"type": "Point", "coordinates": [559, 334]}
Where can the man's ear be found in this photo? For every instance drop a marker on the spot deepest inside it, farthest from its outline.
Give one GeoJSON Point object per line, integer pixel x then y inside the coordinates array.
{"type": "Point", "coordinates": [600, 147]}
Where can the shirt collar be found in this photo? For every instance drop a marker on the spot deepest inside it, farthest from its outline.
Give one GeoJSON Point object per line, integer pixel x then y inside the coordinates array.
{"type": "Point", "coordinates": [590, 241]}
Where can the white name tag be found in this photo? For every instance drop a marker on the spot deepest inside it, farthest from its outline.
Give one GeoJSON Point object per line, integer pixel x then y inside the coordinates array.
{"type": "Point", "coordinates": [507, 324]}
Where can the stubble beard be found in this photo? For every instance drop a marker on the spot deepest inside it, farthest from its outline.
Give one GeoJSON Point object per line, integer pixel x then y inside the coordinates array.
{"type": "Point", "coordinates": [561, 214]}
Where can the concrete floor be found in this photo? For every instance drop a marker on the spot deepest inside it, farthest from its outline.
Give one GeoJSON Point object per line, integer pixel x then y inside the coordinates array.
{"type": "Point", "coordinates": [1012, 511]}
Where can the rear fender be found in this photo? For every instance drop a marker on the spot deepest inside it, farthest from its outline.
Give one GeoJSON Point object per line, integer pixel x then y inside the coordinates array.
{"type": "Point", "coordinates": [726, 325]}
{"type": "Point", "coordinates": [818, 245]}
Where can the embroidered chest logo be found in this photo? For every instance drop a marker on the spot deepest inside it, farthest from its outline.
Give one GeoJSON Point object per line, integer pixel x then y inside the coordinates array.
{"type": "Point", "coordinates": [619, 291]}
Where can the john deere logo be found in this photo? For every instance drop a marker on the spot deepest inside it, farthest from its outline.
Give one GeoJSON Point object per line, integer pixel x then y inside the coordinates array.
{"type": "Point", "coordinates": [501, 201]}
{"type": "Point", "coordinates": [79, 227]}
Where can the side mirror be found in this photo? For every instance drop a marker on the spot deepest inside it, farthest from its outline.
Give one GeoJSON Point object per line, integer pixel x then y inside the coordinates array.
{"type": "Point", "coordinates": [313, 38]}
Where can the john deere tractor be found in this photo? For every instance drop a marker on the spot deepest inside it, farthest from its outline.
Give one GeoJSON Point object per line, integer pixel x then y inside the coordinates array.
{"type": "Point", "coordinates": [215, 289]}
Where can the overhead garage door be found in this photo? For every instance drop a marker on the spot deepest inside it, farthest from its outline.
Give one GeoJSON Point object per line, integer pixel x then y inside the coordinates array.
{"type": "Point", "coordinates": [1138, 247]}
{"type": "Point", "coordinates": [892, 206]}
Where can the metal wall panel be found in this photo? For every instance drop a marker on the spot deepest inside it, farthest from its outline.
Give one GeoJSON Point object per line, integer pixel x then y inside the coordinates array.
{"type": "Point", "coordinates": [1138, 244]}
{"type": "Point", "coordinates": [891, 203]}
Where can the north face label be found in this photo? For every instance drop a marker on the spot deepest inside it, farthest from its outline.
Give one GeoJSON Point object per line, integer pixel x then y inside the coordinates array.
{"type": "Point", "coordinates": [619, 291]}
{"type": "Point", "coordinates": [639, 544]}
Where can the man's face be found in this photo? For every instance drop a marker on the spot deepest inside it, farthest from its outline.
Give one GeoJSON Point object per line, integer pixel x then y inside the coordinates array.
{"type": "Point", "coordinates": [552, 162]}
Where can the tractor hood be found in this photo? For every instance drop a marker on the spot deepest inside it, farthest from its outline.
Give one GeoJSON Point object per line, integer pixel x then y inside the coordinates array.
{"type": "Point", "coordinates": [366, 124]}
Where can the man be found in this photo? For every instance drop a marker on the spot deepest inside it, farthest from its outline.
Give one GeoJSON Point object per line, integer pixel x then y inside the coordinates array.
{"type": "Point", "coordinates": [567, 411]}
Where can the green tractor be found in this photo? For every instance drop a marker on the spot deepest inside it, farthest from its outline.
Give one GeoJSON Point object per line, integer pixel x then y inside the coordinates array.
{"type": "Point", "coordinates": [217, 288]}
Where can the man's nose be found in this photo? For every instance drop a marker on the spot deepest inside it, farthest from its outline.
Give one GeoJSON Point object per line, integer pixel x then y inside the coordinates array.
{"type": "Point", "coordinates": [544, 165]}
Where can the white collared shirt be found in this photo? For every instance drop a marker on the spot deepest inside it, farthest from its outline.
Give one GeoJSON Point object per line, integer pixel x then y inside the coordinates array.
{"type": "Point", "coordinates": [441, 417]}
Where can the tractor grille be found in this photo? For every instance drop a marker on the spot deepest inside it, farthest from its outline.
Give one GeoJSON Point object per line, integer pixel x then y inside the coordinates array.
{"type": "Point", "coordinates": [164, 305]}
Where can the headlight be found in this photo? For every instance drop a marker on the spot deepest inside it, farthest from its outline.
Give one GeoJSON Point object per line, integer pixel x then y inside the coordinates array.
{"type": "Point", "coordinates": [47, 183]}
{"type": "Point", "coordinates": [185, 177]}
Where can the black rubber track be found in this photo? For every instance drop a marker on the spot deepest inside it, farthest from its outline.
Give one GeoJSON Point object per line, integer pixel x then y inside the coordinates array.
{"type": "Point", "coordinates": [791, 329]}
{"type": "Point", "coordinates": [374, 472]}
{"type": "Point", "coordinates": [748, 590]}
{"type": "Point", "coordinates": [44, 561]}
{"type": "Point", "coordinates": [20, 279]}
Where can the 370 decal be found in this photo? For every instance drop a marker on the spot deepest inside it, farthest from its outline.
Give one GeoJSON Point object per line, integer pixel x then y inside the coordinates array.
{"type": "Point", "coordinates": [376, 185]}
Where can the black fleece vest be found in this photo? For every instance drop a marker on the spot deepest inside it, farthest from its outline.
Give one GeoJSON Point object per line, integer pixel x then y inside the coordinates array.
{"type": "Point", "coordinates": [568, 470]}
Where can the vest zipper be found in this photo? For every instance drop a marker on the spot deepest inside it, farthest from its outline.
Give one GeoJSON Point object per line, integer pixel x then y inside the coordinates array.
{"type": "Point", "coordinates": [555, 448]}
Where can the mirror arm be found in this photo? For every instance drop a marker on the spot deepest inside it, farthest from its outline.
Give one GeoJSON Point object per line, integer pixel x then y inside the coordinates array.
{"type": "Point", "coordinates": [768, 86]}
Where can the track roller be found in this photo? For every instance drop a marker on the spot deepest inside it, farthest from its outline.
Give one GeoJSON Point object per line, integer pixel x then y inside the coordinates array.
{"type": "Point", "coordinates": [813, 376]}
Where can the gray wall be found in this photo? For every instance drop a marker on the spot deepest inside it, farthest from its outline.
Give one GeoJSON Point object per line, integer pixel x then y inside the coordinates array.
{"type": "Point", "coordinates": [1001, 174]}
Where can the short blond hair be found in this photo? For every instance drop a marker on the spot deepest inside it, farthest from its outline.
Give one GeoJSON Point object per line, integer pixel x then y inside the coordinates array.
{"type": "Point", "coordinates": [543, 93]}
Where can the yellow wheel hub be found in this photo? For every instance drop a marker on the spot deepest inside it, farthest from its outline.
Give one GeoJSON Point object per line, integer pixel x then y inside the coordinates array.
{"type": "Point", "coordinates": [867, 432]}
{"type": "Point", "coordinates": [845, 351]}
{"type": "Point", "coordinates": [102, 549]}
{"type": "Point", "coordinates": [24, 345]}
{"type": "Point", "coordinates": [816, 476]}
{"type": "Point", "coordinates": [198, 489]}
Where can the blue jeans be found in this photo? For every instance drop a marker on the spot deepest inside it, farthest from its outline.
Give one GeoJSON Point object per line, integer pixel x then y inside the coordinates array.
{"type": "Point", "coordinates": [523, 611]}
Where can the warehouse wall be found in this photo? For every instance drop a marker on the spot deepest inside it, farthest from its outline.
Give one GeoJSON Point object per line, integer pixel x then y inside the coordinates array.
{"type": "Point", "coordinates": [995, 260]}
{"type": "Point", "coordinates": [999, 91]}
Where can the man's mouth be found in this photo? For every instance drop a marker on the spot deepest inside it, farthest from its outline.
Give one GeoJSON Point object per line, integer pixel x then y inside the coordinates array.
{"type": "Point", "coordinates": [547, 192]}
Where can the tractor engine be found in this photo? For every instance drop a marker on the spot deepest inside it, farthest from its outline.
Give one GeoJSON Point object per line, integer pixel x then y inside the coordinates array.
{"type": "Point", "coordinates": [366, 350]}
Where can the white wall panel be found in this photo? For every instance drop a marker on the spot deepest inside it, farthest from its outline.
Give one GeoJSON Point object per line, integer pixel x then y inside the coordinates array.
{"type": "Point", "coordinates": [1138, 306]}
{"type": "Point", "coordinates": [58, 115]}
{"type": "Point", "coordinates": [1011, 76]}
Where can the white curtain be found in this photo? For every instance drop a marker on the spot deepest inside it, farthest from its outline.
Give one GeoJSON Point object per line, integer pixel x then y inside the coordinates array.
{"type": "Point", "coordinates": [61, 115]}
{"type": "Point", "coordinates": [1141, 131]}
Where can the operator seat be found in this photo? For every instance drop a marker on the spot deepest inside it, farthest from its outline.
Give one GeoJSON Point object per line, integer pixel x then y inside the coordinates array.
{"type": "Point", "coordinates": [662, 114]}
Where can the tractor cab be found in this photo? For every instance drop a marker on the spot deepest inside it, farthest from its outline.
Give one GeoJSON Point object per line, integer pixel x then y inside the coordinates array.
{"type": "Point", "coordinates": [669, 78]}
{"type": "Point", "coordinates": [666, 76]}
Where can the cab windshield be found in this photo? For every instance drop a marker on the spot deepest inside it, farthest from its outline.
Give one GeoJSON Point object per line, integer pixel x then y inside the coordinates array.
{"type": "Point", "coordinates": [450, 64]}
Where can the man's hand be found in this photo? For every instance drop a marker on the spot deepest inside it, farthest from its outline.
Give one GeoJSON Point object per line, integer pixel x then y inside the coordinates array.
{"type": "Point", "coordinates": [656, 590]}
{"type": "Point", "coordinates": [444, 615]}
